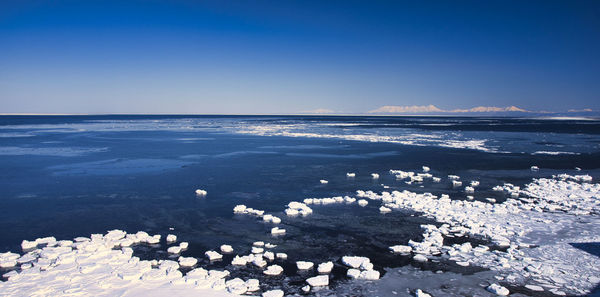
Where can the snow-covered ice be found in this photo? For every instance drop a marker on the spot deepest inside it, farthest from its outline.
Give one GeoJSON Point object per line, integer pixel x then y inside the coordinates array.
{"type": "Point", "coordinates": [318, 281]}
{"type": "Point", "coordinates": [273, 270]}
{"type": "Point", "coordinates": [498, 290]}
{"type": "Point", "coordinates": [325, 267]}
{"type": "Point", "coordinates": [304, 265]}
{"type": "Point", "coordinates": [171, 238]}
{"type": "Point", "coordinates": [226, 249]}
{"type": "Point", "coordinates": [212, 255]}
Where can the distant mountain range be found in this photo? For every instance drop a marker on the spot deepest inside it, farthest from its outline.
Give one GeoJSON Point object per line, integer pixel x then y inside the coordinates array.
{"type": "Point", "coordinates": [489, 110]}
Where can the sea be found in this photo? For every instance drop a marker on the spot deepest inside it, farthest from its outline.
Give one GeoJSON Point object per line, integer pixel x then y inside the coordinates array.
{"type": "Point", "coordinates": [76, 175]}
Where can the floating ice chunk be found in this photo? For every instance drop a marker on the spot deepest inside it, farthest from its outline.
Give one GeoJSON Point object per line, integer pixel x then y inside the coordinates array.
{"type": "Point", "coordinates": [491, 200]}
{"type": "Point", "coordinates": [436, 179]}
{"type": "Point", "coordinates": [295, 208]}
{"type": "Point", "coordinates": [350, 174]}
{"type": "Point", "coordinates": [253, 285]}
{"type": "Point", "coordinates": [462, 263]}
{"type": "Point", "coordinates": [498, 290]}
{"type": "Point", "coordinates": [153, 239]}
{"type": "Point", "coordinates": [273, 293]}
{"type": "Point", "coordinates": [257, 250]}
{"type": "Point", "coordinates": [273, 270]}
{"type": "Point", "coordinates": [465, 247]}
{"type": "Point", "coordinates": [474, 183]}
{"type": "Point", "coordinates": [269, 245]}
{"type": "Point", "coordinates": [259, 262]}
{"type": "Point", "coordinates": [212, 255]}
{"type": "Point", "coordinates": [470, 197]}
{"type": "Point", "coordinates": [304, 265]}
{"type": "Point", "coordinates": [453, 177]}
{"type": "Point", "coordinates": [366, 266]}
{"type": "Point", "coordinates": [226, 249]}
{"type": "Point", "coordinates": [174, 250]}
{"type": "Point", "coordinates": [534, 168]}
{"type": "Point", "coordinates": [323, 181]}
{"type": "Point", "coordinates": [26, 258]}
{"type": "Point", "coordinates": [534, 288]}
{"type": "Point", "coordinates": [375, 175]}
{"type": "Point", "coordinates": [7, 263]}
{"type": "Point", "coordinates": [420, 293]}
{"type": "Point", "coordinates": [275, 220]}
{"type": "Point", "coordinates": [291, 212]}
{"type": "Point", "coordinates": [171, 238]}
{"type": "Point", "coordinates": [384, 209]}
{"type": "Point", "coordinates": [363, 202]}
{"type": "Point", "coordinates": [369, 275]}
{"type": "Point", "coordinates": [318, 281]}
{"type": "Point", "coordinates": [277, 231]}
{"type": "Point", "coordinates": [187, 261]}
{"type": "Point", "coordinates": [27, 245]}
{"type": "Point", "coordinates": [353, 273]}
{"type": "Point", "coordinates": [469, 189]}
{"type": "Point", "coordinates": [269, 256]}
{"type": "Point", "coordinates": [239, 261]}
{"type": "Point", "coordinates": [577, 168]}
{"type": "Point", "coordinates": [306, 289]}
{"type": "Point", "coordinates": [183, 245]}
{"type": "Point", "coordinates": [240, 208]}
{"type": "Point", "coordinates": [401, 249]}
{"type": "Point", "coordinates": [281, 256]}
{"type": "Point", "coordinates": [354, 261]}
{"type": "Point", "coordinates": [456, 183]}
{"type": "Point", "coordinates": [420, 258]}
{"type": "Point", "coordinates": [236, 286]}
{"type": "Point", "coordinates": [258, 243]}
{"type": "Point", "coordinates": [426, 169]}
{"type": "Point", "coordinates": [325, 267]}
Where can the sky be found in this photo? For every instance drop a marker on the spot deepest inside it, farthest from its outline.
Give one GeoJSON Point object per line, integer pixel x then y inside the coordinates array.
{"type": "Point", "coordinates": [265, 57]}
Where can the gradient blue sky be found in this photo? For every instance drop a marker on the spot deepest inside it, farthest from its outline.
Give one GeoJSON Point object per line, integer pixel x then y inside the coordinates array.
{"type": "Point", "coordinates": [295, 56]}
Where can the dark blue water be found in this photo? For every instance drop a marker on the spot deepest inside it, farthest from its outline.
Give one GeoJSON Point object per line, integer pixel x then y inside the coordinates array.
{"type": "Point", "coordinates": [69, 176]}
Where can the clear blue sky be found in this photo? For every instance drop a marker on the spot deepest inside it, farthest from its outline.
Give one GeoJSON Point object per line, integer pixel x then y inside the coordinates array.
{"type": "Point", "coordinates": [294, 56]}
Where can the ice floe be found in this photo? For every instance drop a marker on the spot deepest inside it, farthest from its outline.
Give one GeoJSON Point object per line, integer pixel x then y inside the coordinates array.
{"type": "Point", "coordinates": [304, 265]}
{"type": "Point", "coordinates": [325, 267]}
{"type": "Point", "coordinates": [323, 181]}
{"type": "Point", "coordinates": [226, 249]}
{"type": "Point", "coordinates": [420, 293]}
{"type": "Point", "coordinates": [273, 270]}
{"type": "Point", "coordinates": [201, 193]}
{"type": "Point", "coordinates": [318, 281]}
{"type": "Point", "coordinates": [99, 266]}
{"type": "Point", "coordinates": [187, 261]}
{"type": "Point", "coordinates": [545, 205]}
{"type": "Point", "coordinates": [212, 255]}
{"type": "Point", "coordinates": [277, 231]}
{"type": "Point", "coordinates": [498, 290]}
{"type": "Point", "coordinates": [297, 208]}
{"type": "Point", "coordinates": [171, 238]}
{"type": "Point", "coordinates": [350, 174]}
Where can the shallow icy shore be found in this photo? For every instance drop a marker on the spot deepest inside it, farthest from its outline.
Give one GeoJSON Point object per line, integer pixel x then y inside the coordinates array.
{"type": "Point", "coordinates": [533, 248]}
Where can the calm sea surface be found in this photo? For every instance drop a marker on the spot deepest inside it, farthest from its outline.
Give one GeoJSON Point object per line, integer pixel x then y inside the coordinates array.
{"type": "Point", "coordinates": [69, 176]}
